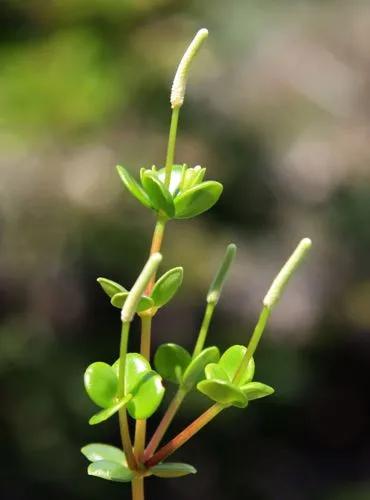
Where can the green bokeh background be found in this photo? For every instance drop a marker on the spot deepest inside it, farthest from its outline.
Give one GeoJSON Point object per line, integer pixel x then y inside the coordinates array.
{"type": "Point", "coordinates": [278, 110]}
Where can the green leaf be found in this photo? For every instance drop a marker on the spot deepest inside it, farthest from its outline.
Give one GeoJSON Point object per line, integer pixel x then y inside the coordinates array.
{"type": "Point", "coordinates": [197, 200]}
{"type": "Point", "coordinates": [144, 384]}
{"type": "Point", "coordinates": [223, 392]}
{"type": "Point", "coordinates": [99, 451]}
{"type": "Point", "coordinates": [134, 187]}
{"type": "Point", "coordinates": [172, 469]}
{"type": "Point", "coordinates": [120, 298]}
{"type": "Point", "coordinates": [160, 197]}
{"type": "Point", "coordinates": [170, 361]}
{"type": "Point", "coordinates": [110, 287]}
{"type": "Point", "coordinates": [103, 415]}
{"type": "Point", "coordinates": [147, 395]}
{"type": "Point", "coordinates": [166, 286]}
{"type": "Point", "coordinates": [101, 384]}
{"type": "Point", "coordinates": [230, 362]}
{"type": "Point", "coordinates": [256, 390]}
{"type": "Point", "coordinates": [195, 370]}
{"type": "Point", "coordinates": [214, 371]}
{"type": "Point", "coordinates": [176, 177]}
{"type": "Point", "coordinates": [110, 471]}
{"type": "Point", "coordinates": [192, 177]}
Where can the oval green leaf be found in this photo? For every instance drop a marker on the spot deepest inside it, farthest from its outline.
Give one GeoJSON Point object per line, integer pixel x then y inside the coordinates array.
{"type": "Point", "coordinates": [256, 390]}
{"type": "Point", "coordinates": [99, 451]}
{"type": "Point", "coordinates": [170, 361]}
{"type": "Point", "coordinates": [110, 471]}
{"type": "Point", "coordinates": [195, 370]}
{"type": "Point", "coordinates": [214, 371]}
{"type": "Point", "coordinates": [110, 287]}
{"type": "Point", "coordinates": [146, 396]}
{"type": "Point", "coordinates": [230, 362]}
{"type": "Point", "coordinates": [166, 286]}
{"type": "Point", "coordinates": [160, 197]}
{"type": "Point", "coordinates": [197, 200]}
{"type": "Point", "coordinates": [103, 415]}
{"type": "Point", "coordinates": [134, 187]}
{"type": "Point", "coordinates": [223, 392]}
{"type": "Point", "coordinates": [172, 469]}
{"type": "Point", "coordinates": [120, 298]}
{"type": "Point", "coordinates": [101, 384]}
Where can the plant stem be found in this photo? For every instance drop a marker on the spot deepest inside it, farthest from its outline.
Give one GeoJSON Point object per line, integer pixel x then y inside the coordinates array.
{"type": "Point", "coordinates": [204, 328]}
{"type": "Point", "coordinates": [164, 423]}
{"type": "Point", "coordinates": [137, 488]}
{"type": "Point", "coordinates": [171, 145]}
{"type": "Point", "coordinates": [253, 343]}
{"type": "Point", "coordinates": [185, 435]}
{"type": "Point", "coordinates": [140, 428]}
{"type": "Point", "coordinates": [156, 247]}
{"type": "Point", "coordinates": [124, 428]}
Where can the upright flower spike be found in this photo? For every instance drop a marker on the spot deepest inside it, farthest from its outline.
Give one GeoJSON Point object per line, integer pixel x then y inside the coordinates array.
{"type": "Point", "coordinates": [181, 76]}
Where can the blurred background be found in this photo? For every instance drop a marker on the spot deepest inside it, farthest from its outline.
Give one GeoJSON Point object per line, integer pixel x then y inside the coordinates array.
{"type": "Point", "coordinates": [278, 109]}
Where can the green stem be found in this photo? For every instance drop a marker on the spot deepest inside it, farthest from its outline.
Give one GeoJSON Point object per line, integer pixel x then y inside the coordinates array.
{"type": "Point", "coordinates": [164, 423]}
{"type": "Point", "coordinates": [124, 427]}
{"type": "Point", "coordinates": [171, 145]}
{"type": "Point", "coordinates": [137, 487]}
{"type": "Point", "coordinates": [156, 247]}
{"type": "Point", "coordinates": [253, 343]}
{"type": "Point", "coordinates": [185, 435]}
{"type": "Point", "coordinates": [204, 328]}
{"type": "Point", "coordinates": [140, 428]}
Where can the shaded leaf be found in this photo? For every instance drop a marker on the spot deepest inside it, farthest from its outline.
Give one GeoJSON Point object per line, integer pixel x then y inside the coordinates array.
{"type": "Point", "coordinates": [197, 199]}
{"type": "Point", "coordinates": [160, 197]}
{"type": "Point", "coordinates": [172, 469]}
{"type": "Point", "coordinates": [166, 286]}
{"type": "Point", "coordinates": [103, 415]}
{"type": "Point", "coordinates": [170, 361]}
{"type": "Point", "coordinates": [195, 370]}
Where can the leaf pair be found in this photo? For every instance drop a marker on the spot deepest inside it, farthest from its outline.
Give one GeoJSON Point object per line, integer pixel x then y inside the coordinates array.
{"type": "Point", "coordinates": [143, 391]}
{"type": "Point", "coordinates": [219, 385]}
{"type": "Point", "coordinates": [109, 462]}
{"type": "Point", "coordinates": [175, 364]}
{"type": "Point", "coordinates": [163, 291]}
{"type": "Point", "coordinates": [186, 197]}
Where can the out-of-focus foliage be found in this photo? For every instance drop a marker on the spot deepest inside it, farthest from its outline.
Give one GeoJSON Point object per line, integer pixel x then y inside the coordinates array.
{"type": "Point", "coordinates": [277, 109]}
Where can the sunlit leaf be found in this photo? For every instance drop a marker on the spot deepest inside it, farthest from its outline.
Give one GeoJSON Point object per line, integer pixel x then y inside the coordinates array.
{"type": "Point", "coordinates": [256, 390]}
{"type": "Point", "coordinates": [231, 360]}
{"type": "Point", "coordinates": [134, 187]}
{"type": "Point", "coordinates": [176, 177]}
{"type": "Point", "coordinates": [111, 471]}
{"type": "Point", "coordinates": [214, 371]}
{"type": "Point", "coordinates": [101, 384]}
{"type": "Point", "coordinates": [223, 392]}
{"type": "Point", "coordinates": [110, 287]}
{"type": "Point", "coordinates": [103, 415]}
{"type": "Point", "coordinates": [99, 451]}
{"type": "Point", "coordinates": [120, 298]}
{"type": "Point", "coordinates": [166, 286]}
{"type": "Point", "coordinates": [147, 395]}
{"type": "Point", "coordinates": [197, 200]}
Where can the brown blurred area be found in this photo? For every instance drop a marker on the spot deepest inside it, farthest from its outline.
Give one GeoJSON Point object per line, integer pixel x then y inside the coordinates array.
{"type": "Point", "coordinates": [278, 110]}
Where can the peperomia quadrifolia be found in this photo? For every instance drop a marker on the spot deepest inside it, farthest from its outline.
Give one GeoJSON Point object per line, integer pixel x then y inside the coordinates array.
{"type": "Point", "coordinates": [131, 386]}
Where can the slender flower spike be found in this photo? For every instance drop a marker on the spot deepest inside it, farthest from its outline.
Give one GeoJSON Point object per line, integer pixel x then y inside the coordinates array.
{"type": "Point", "coordinates": [181, 76]}
{"type": "Point", "coordinates": [214, 291]}
{"type": "Point", "coordinates": [287, 271]}
{"type": "Point", "coordinates": [129, 307]}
